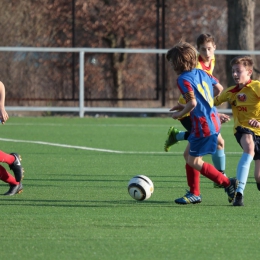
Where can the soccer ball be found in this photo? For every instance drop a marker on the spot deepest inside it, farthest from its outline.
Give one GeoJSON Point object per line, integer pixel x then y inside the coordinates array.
{"type": "Point", "coordinates": [140, 187]}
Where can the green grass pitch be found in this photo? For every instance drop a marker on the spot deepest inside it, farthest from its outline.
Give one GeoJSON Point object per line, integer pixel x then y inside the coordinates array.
{"type": "Point", "coordinates": [75, 203]}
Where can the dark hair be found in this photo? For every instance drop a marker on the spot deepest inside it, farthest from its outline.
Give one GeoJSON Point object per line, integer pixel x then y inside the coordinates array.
{"type": "Point", "coordinates": [205, 37]}
{"type": "Point", "coordinates": [246, 61]}
{"type": "Point", "coordinates": [183, 57]}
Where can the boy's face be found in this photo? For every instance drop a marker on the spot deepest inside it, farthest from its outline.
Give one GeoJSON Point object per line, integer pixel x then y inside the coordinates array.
{"type": "Point", "coordinates": [207, 50]}
{"type": "Point", "coordinates": [241, 74]}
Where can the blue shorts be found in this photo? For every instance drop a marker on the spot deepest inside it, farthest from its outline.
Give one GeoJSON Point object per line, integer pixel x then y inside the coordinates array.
{"type": "Point", "coordinates": [202, 146]}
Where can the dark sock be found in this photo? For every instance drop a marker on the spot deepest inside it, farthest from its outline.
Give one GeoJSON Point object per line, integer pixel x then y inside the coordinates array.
{"type": "Point", "coordinates": [186, 135]}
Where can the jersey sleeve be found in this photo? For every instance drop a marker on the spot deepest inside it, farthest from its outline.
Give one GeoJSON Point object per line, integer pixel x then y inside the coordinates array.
{"type": "Point", "coordinates": [184, 86]}
{"type": "Point", "coordinates": [213, 79]}
{"type": "Point", "coordinates": [221, 98]}
{"type": "Point", "coordinates": [256, 87]}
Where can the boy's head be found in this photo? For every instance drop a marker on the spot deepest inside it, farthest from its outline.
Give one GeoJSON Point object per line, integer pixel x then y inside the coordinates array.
{"type": "Point", "coordinates": [242, 69]}
{"type": "Point", "coordinates": [206, 46]}
{"type": "Point", "coordinates": [183, 57]}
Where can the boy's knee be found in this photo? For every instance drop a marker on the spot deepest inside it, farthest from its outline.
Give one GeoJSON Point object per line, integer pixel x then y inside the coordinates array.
{"type": "Point", "coordinates": [221, 143]}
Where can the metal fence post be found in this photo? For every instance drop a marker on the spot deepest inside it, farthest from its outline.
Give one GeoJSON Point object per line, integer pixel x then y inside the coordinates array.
{"type": "Point", "coordinates": [81, 84]}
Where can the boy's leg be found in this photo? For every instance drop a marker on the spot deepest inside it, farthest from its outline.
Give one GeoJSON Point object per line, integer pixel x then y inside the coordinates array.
{"type": "Point", "coordinates": [242, 175]}
{"type": "Point", "coordinates": [6, 158]}
{"type": "Point", "coordinates": [257, 173]}
{"type": "Point", "coordinates": [230, 184]}
{"type": "Point", "coordinates": [15, 187]}
{"type": "Point", "coordinates": [14, 162]}
{"type": "Point", "coordinates": [193, 179]}
{"type": "Point", "coordinates": [247, 141]}
{"type": "Point", "coordinates": [219, 161]}
{"type": "Point", "coordinates": [219, 158]}
{"type": "Point", "coordinates": [171, 139]}
{"type": "Point", "coordinates": [207, 145]}
{"type": "Point", "coordinates": [213, 174]}
{"type": "Point", "coordinates": [193, 196]}
{"type": "Point", "coordinates": [16, 167]}
{"type": "Point", "coordinates": [175, 135]}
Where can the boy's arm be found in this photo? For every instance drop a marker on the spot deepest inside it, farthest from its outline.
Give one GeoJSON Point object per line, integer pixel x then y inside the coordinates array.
{"type": "Point", "coordinates": [217, 89]}
{"type": "Point", "coordinates": [3, 113]}
{"type": "Point", "coordinates": [218, 100]}
{"type": "Point", "coordinates": [190, 105]}
{"type": "Point", "coordinates": [222, 97]}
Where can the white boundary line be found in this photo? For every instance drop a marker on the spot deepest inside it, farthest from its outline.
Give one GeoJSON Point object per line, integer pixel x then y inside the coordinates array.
{"type": "Point", "coordinates": [94, 149]}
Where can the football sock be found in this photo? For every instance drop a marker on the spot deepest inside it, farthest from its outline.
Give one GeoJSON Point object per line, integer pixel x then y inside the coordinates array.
{"type": "Point", "coordinates": [219, 160]}
{"type": "Point", "coordinates": [180, 136]}
{"type": "Point", "coordinates": [193, 179]}
{"type": "Point", "coordinates": [213, 174]}
{"type": "Point", "coordinates": [7, 177]}
{"type": "Point", "coordinates": [186, 135]}
{"type": "Point", "coordinates": [258, 186]}
{"type": "Point", "coordinates": [243, 171]}
{"type": "Point", "coordinates": [6, 158]}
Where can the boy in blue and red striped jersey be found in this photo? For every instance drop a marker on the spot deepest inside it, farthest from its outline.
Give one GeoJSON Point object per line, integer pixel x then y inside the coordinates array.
{"type": "Point", "coordinates": [198, 89]}
{"type": "Point", "coordinates": [244, 99]}
{"type": "Point", "coordinates": [205, 61]}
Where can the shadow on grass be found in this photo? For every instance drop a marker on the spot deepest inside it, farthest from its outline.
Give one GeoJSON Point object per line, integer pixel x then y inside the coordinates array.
{"type": "Point", "coordinates": [101, 204]}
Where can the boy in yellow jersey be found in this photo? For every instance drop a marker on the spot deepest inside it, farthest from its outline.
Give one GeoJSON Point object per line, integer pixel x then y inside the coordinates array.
{"type": "Point", "coordinates": [244, 99]}
{"type": "Point", "coordinates": [205, 61]}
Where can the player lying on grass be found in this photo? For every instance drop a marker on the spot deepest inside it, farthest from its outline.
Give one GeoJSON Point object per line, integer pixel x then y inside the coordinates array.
{"type": "Point", "coordinates": [197, 87]}
{"type": "Point", "coordinates": [13, 159]}
{"type": "Point", "coordinates": [205, 61]}
{"type": "Point", "coordinates": [244, 99]}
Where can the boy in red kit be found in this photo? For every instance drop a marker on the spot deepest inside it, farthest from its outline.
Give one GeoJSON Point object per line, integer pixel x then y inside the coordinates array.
{"type": "Point", "coordinates": [13, 159]}
{"type": "Point", "coordinates": [198, 89]}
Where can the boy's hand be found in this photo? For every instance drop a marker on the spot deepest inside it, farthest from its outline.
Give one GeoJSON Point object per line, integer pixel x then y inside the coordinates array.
{"type": "Point", "coordinates": [254, 123]}
{"type": "Point", "coordinates": [176, 115]}
{"type": "Point", "coordinates": [223, 118]}
{"type": "Point", "coordinates": [178, 107]}
{"type": "Point", "coordinates": [3, 115]}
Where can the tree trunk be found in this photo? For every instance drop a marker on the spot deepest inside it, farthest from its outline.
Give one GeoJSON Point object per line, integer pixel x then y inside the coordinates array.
{"type": "Point", "coordinates": [240, 30]}
{"type": "Point", "coordinates": [117, 61]}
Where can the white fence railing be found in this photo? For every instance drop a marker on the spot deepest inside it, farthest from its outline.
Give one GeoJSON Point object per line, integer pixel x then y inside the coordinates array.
{"type": "Point", "coordinates": [81, 109]}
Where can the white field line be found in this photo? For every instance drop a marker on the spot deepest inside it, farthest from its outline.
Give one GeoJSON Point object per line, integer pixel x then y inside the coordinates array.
{"type": "Point", "coordinates": [178, 125]}
{"type": "Point", "coordinates": [93, 149]}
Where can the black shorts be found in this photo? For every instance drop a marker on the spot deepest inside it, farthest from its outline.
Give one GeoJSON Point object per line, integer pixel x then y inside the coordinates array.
{"type": "Point", "coordinates": [186, 122]}
{"type": "Point", "coordinates": [256, 138]}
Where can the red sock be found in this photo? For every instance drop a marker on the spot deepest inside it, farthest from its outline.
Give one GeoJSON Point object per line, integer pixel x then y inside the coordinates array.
{"type": "Point", "coordinates": [193, 179]}
{"type": "Point", "coordinates": [6, 158]}
{"type": "Point", "coordinates": [213, 174]}
{"type": "Point", "coordinates": [7, 177]}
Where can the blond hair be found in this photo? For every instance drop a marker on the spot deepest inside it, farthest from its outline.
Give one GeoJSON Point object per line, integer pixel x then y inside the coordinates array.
{"type": "Point", "coordinates": [183, 57]}
{"type": "Point", "coordinates": [246, 61]}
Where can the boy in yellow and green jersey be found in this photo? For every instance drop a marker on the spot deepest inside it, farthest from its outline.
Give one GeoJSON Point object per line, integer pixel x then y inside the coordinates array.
{"type": "Point", "coordinates": [206, 62]}
{"type": "Point", "coordinates": [244, 99]}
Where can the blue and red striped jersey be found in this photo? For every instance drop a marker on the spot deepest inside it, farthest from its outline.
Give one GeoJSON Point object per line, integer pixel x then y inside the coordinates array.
{"type": "Point", "coordinates": [204, 116]}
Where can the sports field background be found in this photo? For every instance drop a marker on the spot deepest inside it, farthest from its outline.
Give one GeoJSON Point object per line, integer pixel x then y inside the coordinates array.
{"type": "Point", "coordinates": [75, 203]}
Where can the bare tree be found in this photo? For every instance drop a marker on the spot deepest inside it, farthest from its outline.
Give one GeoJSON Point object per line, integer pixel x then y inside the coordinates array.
{"type": "Point", "coordinates": [240, 29]}
{"type": "Point", "coordinates": [113, 24]}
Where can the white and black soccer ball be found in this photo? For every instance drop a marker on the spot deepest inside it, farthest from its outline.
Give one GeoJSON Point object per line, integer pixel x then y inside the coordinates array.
{"type": "Point", "coordinates": [140, 187]}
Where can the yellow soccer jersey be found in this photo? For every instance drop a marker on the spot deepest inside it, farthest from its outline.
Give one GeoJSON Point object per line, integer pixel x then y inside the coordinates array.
{"type": "Point", "coordinates": [245, 104]}
{"type": "Point", "coordinates": [200, 65]}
